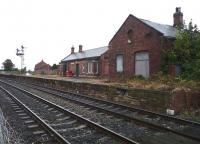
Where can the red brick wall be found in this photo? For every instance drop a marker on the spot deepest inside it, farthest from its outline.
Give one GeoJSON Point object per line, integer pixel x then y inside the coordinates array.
{"type": "Point", "coordinates": [144, 38]}
{"type": "Point", "coordinates": [184, 99]}
{"type": "Point", "coordinates": [104, 66]}
{"type": "Point", "coordinates": [83, 66]}
{"type": "Point", "coordinates": [42, 68]}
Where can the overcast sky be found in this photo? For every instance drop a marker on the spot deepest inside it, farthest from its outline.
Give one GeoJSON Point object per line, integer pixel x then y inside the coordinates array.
{"type": "Point", "coordinates": [48, 28]}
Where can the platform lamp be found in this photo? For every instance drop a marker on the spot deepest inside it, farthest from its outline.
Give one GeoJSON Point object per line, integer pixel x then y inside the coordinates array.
{"type": "Point", "coordinates": [20, 53]}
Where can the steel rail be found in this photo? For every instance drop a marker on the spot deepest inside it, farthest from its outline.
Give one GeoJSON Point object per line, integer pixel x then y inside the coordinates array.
{"type": "Point", "coordinates": [48, 128]}
{"type": "Point", "coordinates": [129, 118]}
{"type": "Point", "coordinates": [127, 107]}
{"type": "Point", "coordinates": [80, 118]}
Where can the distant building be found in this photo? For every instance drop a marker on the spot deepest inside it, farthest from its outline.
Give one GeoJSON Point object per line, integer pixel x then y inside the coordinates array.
{"type": "Point", "coordinates": [135, 49]}
{"type": "Point", "coordinates": [83, 62]}
{"type": "Point", "coordinates": [42, 68]}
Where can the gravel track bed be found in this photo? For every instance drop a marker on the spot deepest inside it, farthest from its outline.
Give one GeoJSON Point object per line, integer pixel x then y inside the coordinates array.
{"type": "Point", "coordinates": [18, 131]}
{"type": "Point", "coordinates": [149, 118]}
{"type": "Point", "coordinates": [136, 132]}
{"type": "Point", "coordinates": [72, 130]}
{"type": "Point", "coordinates": [188, 129]}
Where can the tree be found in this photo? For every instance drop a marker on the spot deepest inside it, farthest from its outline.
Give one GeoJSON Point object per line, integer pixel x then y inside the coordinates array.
{"type": "Point", "coordinates": [23, 70]}
{"type": "Point", "coordinates": [54, 66]}
{"type": "Point", "coordinates": [8, 65]}
{"type": "Point", "coordinates": [186, 51]}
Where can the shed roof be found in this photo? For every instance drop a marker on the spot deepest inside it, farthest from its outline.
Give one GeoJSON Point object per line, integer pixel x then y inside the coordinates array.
{"type": "Point", "coordinates": [96, 52]}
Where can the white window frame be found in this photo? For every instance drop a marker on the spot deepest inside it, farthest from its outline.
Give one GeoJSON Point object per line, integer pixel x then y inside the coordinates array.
{"type": "Point", "coordinates": [90, 67]}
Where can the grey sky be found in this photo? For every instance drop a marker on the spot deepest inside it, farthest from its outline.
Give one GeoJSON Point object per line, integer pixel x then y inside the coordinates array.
{"type": "Point", "coordinates": [48, 28]}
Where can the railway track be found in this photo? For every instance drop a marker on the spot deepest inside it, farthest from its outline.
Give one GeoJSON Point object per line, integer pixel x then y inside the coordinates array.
{"type": "Point", "coordinates": [70, 127]}
{"type": "Point", "coordinates": [38, 128]}
{"type": "Point", "coordinates": [173, 125]}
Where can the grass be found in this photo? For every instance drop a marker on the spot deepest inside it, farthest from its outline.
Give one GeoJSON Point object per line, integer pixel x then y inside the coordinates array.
{"type": "Point", "coordinates": [158, 82]}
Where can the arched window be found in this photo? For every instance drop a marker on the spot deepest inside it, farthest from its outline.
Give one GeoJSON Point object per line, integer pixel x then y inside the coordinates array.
{"type": "Point", "coordinates": [130, 36]}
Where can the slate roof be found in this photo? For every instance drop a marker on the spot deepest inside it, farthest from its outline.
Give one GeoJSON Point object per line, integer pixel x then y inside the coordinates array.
{"type": "Point", "coordinates": [96, 52]}
{"type": "Point", "coordinates": [166, 30]}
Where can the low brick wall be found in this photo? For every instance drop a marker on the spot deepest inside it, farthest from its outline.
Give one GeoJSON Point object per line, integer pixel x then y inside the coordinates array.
{"type": "Point", "coordinates": [183, 98]}
{"type": "Point", "coordinates": [153, 100]}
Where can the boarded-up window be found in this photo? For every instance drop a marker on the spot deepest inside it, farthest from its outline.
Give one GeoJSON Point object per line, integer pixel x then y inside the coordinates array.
{"type": "Point", "coordinates": [142, 64]}
{"type": "Point", "coordinates": [119, 63]}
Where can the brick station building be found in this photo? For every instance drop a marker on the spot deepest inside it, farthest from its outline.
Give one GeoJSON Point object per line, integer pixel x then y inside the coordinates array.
{"type": "Point", "coordinates": [86, 62]}
{"type": "Point", "coordinates": [134, 50]}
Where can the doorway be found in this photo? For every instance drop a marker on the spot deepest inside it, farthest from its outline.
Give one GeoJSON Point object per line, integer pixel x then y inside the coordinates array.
{"type": "Point", "coordinates": [77, 70]}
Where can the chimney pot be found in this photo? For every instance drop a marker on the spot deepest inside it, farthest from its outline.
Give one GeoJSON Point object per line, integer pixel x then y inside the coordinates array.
{"type": "Point", "coordinates": [80, 48]}
{"type": "Point", "coordinates": [178, 9]}
{"type": "Point", "coordinates": [72, 50]}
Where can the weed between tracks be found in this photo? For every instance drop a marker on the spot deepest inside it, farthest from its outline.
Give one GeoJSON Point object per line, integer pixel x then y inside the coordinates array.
{"type": "Point", "coordinates": [191, 114]}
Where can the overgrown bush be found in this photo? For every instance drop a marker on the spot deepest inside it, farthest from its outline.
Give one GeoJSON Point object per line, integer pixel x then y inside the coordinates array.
{"type": "Point", "coordinates": [186, 52]}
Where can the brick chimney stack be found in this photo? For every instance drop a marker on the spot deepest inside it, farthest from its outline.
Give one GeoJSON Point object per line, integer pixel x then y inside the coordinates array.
{"type": "Point", "coordinates": [178, 17]}
{"type": "Point", "coordinates": [72, 50]}
{"type": "Point", "coordinates": [80, 48]}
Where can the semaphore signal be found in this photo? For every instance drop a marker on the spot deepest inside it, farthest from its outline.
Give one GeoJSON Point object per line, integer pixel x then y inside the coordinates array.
{"type": "Point", "coordinates": [20, 53]}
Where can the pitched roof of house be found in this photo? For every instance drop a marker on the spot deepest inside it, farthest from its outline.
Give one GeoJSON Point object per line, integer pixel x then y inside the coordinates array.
{"type": "Point", "coordinates": [166, 30]}
{"type": "Point", "coordinates": [41, 64]}
{"type": "Point", "coordinates": [96, 52]}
